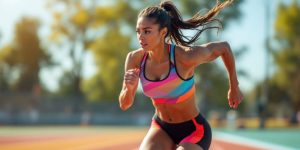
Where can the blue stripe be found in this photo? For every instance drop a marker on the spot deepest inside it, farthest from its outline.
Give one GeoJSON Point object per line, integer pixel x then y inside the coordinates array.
{"type": "Point", "coordinates": [184, 87]}
{"type": "Point", "coordinates": [172, 53]}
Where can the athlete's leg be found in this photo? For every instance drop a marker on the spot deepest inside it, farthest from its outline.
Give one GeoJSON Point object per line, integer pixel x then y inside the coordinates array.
{"type": "Point", "coordinates": [200, 138]}
{"type": "Point", "coordinates": [157, 139]}
{"type": "Point", "coordinates": [189, 146]}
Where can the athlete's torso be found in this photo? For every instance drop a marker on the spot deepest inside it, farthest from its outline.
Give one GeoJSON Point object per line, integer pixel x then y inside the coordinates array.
{"type": "Point", "coordinates": [172, 96]}
{"type": "Point", "coordinates": [172, 89]}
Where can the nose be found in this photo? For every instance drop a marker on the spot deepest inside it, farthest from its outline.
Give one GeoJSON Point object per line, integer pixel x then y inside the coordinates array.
{"type": "Point", "coordinates": [140, 37]}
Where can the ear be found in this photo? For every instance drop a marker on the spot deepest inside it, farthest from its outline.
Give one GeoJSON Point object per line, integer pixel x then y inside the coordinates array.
{"type": "Point", "coordinates": [163, 32]}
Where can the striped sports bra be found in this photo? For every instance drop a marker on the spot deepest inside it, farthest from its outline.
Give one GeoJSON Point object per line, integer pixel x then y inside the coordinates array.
{"type": "Point", "coordinates": [172, 89]}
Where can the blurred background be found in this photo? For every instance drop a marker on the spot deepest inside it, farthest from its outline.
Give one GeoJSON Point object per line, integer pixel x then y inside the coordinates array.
{"type": "Point", "coordinates": [62, 63]}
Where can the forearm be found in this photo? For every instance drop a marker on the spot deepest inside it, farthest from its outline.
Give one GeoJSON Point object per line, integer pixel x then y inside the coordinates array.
{"type": "Point", "coordinates": [126, 98]}
{"type": "Point", "coordinates": [229, 62]}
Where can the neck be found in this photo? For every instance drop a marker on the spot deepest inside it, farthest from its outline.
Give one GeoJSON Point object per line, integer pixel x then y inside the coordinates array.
{"type": "Point", "coordinates": [159, 53]}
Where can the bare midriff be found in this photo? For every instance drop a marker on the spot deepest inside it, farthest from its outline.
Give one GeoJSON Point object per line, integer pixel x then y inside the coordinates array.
{"type": "Point", "coordinates": [179, 112]}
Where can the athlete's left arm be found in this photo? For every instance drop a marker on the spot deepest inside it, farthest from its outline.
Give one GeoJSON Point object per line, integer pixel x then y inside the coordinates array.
{"type": "Point", "coordinates": [209, 52]}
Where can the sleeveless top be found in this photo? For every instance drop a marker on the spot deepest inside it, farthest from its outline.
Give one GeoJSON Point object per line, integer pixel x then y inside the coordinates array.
{"type": "Point", "coordinates": [172, 89]}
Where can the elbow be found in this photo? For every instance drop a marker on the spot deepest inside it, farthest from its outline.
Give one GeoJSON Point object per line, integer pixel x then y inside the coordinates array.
{"type": "Point", "coordinates": [226, 46]}
{"type": "Point", "coordinates": [225, 43]}
{"type": "Point", "coordinates": [125, 100]}
{"type": "Point", "coordinates": [223, 49]}
{"type": "Point", "coordinates": [124, 107]}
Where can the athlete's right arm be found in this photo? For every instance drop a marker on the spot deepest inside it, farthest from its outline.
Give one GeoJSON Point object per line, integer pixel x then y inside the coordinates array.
{"type": "Point", "coordinates": [130, 82]}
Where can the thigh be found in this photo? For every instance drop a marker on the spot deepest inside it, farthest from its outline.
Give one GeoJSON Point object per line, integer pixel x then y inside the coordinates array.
{"type": "Point", "coordinates": [189, 146]}
{"type": "Point", "coordinates": [200, 138]}
{"type": "Point", "coordinates": [157, 139]}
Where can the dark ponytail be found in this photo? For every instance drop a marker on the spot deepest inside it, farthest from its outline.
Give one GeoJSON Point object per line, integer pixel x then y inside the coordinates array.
{"type": "Point", "coordinates": [167, 15]}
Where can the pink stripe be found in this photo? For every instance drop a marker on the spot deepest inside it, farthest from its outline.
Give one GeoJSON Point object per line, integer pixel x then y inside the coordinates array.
{"type": "Point", "coordinates": [156, 93]}
{"type": "Point", "coordinates": [155, 84]}
{"type": "Point", "coordinates": [166, 100]}
{"type": "Point", "coordinates": [196, 136]}
{"type": "Point", "coordinates": [159, 101]}
{"type": "Point", "coordinates": [165, 89]}
{"type": "Point", "coordinates": [176, 100]}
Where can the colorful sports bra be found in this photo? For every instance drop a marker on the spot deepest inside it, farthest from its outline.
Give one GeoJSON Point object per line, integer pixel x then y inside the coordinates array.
{"type": "Point", "coordinates": [172, 89]}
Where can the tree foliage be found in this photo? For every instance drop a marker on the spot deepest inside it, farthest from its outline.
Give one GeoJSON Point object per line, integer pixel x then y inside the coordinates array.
{"type": "Point", "coordinates": [97, 28]}
{"type": "Point", "coordinates": [83, 27]}
{"type": "Point", "coordinates": [287, 55]}
{"type": "Point", "coordinates": [22, 59]}
{"type": "Point", "coordinates": [109, 54]}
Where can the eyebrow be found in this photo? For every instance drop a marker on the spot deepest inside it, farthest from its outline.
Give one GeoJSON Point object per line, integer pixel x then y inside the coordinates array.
{"type": "Point", "coordinates": [145, 28]}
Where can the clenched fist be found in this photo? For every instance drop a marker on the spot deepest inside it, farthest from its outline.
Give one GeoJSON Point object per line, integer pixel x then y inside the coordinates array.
{"type": "Point", "coordinates": [235, 97]}
{"type": "Point", "coordinates": [131, 78]}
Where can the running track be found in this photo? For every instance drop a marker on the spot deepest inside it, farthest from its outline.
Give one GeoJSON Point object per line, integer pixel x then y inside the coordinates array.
{"type": "Point", "coordinates": [106, 139]}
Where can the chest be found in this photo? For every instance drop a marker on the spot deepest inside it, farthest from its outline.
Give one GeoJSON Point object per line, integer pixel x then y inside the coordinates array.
{"type": "Point", "coordinates": [155, 71]}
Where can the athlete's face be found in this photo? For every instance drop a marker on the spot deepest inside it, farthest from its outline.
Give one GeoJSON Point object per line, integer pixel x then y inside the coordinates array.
{"type": "Point", "coordinates": [148, 33]}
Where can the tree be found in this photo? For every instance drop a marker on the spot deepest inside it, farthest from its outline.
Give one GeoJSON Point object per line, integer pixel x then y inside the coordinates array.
{"type": "Point", "coordinates": [69, 30]}
{"type": "Point", "coordinates": [89, 29]}
{"type": "Point", "coordinates": [4, 72]}
{"type": "Point", "coordinates": [23, 58]}
{"type": "Point", "coordinates": [109, 51]}
{"type": "Point", "coordinates": [287, 55]}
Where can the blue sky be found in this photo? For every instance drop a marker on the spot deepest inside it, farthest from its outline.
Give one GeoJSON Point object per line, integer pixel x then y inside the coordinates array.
{"type": "Point", "coordinates": [249, 32]}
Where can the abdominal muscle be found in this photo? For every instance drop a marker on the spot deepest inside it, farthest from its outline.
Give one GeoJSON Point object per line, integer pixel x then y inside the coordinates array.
{"type": "Point", "coordinates": [179, 112]}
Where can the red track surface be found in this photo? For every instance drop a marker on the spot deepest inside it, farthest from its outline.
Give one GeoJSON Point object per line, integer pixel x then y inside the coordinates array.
{"type": "Point", "coordinates": [128, 140]}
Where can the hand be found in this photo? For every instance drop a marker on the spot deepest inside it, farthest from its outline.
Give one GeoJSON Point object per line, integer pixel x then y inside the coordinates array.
{"type": "Point", "coordinates": [131, 78]}
{"type": "Point", "coordinates": [235, 97]}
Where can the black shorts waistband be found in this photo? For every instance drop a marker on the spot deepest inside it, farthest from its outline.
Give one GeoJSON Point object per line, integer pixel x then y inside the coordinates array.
{"type": "Point", "coordinates": [197, 118]}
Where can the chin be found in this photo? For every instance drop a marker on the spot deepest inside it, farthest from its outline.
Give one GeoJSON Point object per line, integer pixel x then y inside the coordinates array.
{"type": "Point", "coordinates": [145, 48]}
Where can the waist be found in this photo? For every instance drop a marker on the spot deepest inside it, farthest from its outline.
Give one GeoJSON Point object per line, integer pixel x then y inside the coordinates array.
{"type": "Point", "coordinates": [176, 113]}
{"type": "Point", "coordinates": [189, 119]}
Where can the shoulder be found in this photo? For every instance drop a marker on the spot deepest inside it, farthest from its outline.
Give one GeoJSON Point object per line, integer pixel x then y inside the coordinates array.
{"type": "Point", "coordinates": [214, 45]}
{"type": "Point", "coordinates": [135, 57]}
{"type": "Point", "coordinates": [184, 54]}
{"type": "Point", "coordinates": [136, 54]}
{"type": "Point", "coordinates": [183, 50]}
{"type": "Point", "coordinates": [198, 54]}
{"type": "Point", "coordinates": [138, 51]}
{"type": "Point", "coordinates": [192, 56]}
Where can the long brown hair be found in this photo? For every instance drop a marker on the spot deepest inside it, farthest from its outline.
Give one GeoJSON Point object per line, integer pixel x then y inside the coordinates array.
{"type": "Point", "coordinates": [167, 15]}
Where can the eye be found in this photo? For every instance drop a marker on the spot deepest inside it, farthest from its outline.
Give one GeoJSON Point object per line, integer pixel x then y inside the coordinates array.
{"type": "Point", "coordinates": [147, 31]}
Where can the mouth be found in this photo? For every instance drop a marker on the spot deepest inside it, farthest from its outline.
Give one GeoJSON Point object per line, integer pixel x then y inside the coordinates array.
{"type": "Point", "coordinates": [143, 44]}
